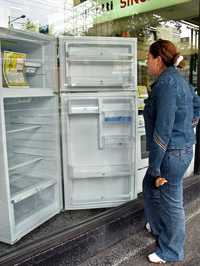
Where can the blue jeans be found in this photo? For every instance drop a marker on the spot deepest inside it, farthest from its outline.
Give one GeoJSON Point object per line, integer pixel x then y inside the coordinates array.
{"type": "Point", "coordinates": [163, 206]}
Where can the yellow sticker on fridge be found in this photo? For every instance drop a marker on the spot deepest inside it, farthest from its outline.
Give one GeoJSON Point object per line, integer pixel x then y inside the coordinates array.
{"type": "Point", "coordinates": [13, 69]}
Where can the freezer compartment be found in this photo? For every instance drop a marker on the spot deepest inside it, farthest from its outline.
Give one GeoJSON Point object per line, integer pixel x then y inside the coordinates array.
{"type": "Point", "coordinates": [27, 61]}
{"type": "Point", "coordinates": [94, 171]}
{"type": "Point", "coordinates": [99, 65]}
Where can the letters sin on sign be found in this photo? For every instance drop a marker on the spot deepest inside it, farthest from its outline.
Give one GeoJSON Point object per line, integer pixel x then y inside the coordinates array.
{"type": "Point", "coordinates": [107, 6]}
{"type": "Point", "coordinates": [125, 3]}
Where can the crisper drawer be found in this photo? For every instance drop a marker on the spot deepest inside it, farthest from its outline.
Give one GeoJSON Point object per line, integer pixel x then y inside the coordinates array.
{"type": "Point", "coordinates": [30, 210]}
{"type": "Point", "coordinates": [100, 64]}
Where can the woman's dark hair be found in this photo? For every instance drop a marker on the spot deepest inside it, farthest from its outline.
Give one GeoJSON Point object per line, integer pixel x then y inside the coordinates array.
{"type": "Point", "coordinates": [167, 51]}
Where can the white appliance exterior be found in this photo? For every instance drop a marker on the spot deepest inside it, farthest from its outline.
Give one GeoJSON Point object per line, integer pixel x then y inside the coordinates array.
{"type": "Point", "coordinates": [142, 153]}
{"type": "Point", "coordinates": [190, 169]}
{"type": "Point", "coordinates": [143, 158]}
{"type": "Point", "coordinates": [30, 177]}
{"type": "Point", "coordinates": [98, 83]}
{"type": "Point", "coordinates": [140, 176]}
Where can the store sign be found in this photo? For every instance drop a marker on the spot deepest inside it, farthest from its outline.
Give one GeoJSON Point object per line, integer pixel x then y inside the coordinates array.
{"type": "Point", "coordinates": [114, 9]}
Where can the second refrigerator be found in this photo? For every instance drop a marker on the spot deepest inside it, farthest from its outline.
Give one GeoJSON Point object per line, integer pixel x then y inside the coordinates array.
{"type": "Point", "coordinates": [98, 103]}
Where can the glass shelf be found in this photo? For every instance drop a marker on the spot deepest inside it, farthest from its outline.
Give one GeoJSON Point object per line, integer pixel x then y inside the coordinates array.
{"type": "Point", "coordinates": [21, 160]}
{"type": "Point", "coordinates": [88, 60]}
{"type": "Point", "coordinates": [25, 186]}
{"type": "Point", "coordinates": [15, 128]}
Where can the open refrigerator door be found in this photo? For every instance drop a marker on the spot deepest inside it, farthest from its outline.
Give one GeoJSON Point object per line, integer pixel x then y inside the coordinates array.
{"type": "Point", "coordinates": [98, 102]}
{"type": "Point", "coordinates": [30, 190]}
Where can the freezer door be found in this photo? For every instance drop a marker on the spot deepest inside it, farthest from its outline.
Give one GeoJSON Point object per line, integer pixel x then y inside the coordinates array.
{"type": "Point", "coordinates": [97, 64]}
{"type": "Point", "coordinates": [98, 150]}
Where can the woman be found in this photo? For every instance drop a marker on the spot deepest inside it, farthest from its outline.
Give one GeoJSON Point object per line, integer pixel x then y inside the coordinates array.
{"type": "Point", "coordinates": [171, 111]}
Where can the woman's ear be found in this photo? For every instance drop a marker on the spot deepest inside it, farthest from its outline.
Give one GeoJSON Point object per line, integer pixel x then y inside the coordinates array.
{"type": "Point", "coordinates": [160, 61]}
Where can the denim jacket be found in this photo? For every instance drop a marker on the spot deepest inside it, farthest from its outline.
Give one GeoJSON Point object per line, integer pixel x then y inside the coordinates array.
{"type": "Point", "coordinates": [171, 112]}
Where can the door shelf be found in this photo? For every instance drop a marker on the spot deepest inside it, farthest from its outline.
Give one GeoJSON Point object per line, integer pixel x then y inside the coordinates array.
{"type": "Point", "coordinates": [88, 81]}
{"type": "Point", "coordinates": [16, 128]}
{"type": "Point", "coordinates": [25, 186]}
{"type": "Point", "coordinates": [88, 171]}
{"type": "Point", "coordinates": [116, 140]}
{"type": "Point", "coordinates": [22, 160]}
{"type": "Point", "coordinates": [31, 67]}
{"type": "Point", "coordinates": [120, 119]}
{"type": "Point", "coordinates": [94, 54]}
{"type": "Point", "coordinates": [83, 109]}
{"type": "Point", "coordinates": [98, 60]}
{"type": "Point", "coordinates": [112, 85]}
{"type": "Point", "coordinates": [97, 201]}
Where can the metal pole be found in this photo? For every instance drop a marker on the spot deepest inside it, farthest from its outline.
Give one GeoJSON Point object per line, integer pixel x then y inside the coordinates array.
{"type": "Point", "coordinates": [197, 148]}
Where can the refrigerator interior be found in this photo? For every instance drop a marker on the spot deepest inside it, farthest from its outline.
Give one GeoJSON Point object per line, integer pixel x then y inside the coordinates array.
{"type": "Point", "coordinates": [32, 159]}
{"type": "Point", "coordinates": [39, 67]}
{"type": "Point", "coordinates": [98, 149]}
{"type": "Point", "coordinates": [93, 64]}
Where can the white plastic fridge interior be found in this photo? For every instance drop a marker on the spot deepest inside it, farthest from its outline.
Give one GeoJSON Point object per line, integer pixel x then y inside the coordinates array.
{"type": "Point", "coordinates": [30, 176]}
{"type": "Point", "coordinates": [98, 64]}
{"type": "Point", "coordinates": [98, 149]}
{"type": "Point", "coordinates": [39, 66]}
{"type": "Point", "coordinates": [30, 166]}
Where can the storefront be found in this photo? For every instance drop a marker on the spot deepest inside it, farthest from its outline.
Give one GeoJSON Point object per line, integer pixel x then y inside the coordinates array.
{"type": "Point", "coordinates": [147, 21]}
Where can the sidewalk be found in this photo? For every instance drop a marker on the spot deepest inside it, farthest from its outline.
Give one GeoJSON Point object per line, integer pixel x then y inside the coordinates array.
{"type": "Point", "coordinates": [125, 253]}
{"type": "Point", "coordinates": [133, 250]}
{"type": "Point", "coordinates": [115, 237]}
{"type": "Point", "coordinates": [192, 248]}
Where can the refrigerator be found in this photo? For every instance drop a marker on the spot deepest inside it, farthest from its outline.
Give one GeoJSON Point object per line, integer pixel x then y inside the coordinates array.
{"type": "Point", "coordinates": [98, 119]}
{"type": "Point", "coordinates": [30, 176]}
